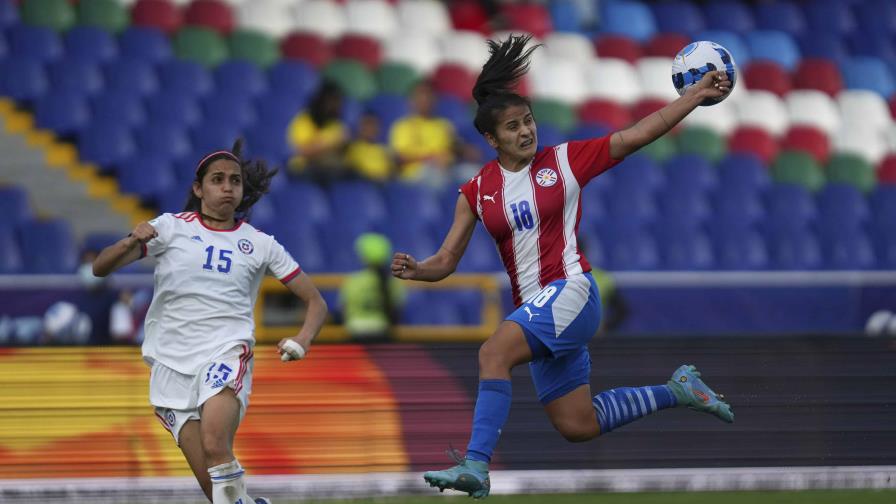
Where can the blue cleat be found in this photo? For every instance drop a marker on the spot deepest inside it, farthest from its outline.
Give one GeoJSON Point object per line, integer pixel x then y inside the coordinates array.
{"type": "Point", "coordinates": [690, 391]}
{"type": "Point", "coordinates": [470, 476]}
{"type": "Point", "coordinates": [262, 500]}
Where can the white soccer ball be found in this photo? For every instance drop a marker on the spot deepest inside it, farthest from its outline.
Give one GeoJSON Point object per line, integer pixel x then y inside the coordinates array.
{"type": "Point", "coordinates": [698, 58]}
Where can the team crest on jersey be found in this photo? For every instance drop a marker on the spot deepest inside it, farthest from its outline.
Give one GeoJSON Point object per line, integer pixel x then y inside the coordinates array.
{"type": "Point", "coordinates": [546, 177]}
{"type": "Point", "coordinates": [169, 418]}
{"type": "Point", "coordinates": [245, 246]}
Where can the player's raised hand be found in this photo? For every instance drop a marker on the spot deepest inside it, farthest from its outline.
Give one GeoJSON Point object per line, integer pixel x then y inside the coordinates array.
{"type": "Point", "coordinates": [144, 232]}
{"type": "Point", "coordinates": [404, 266]}
{"type": "Point", "coordinates": [713, 85]}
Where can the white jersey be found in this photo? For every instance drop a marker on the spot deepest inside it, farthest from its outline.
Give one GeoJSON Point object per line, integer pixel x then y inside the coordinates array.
{"type": "Point", "coordinates": [206, 283]}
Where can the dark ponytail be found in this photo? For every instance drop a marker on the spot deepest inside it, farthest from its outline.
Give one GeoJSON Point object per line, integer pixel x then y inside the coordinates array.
{"type": "Point", "coordinates": [494, 89]}
{"type": "Point", "coordinates": [256, 179]}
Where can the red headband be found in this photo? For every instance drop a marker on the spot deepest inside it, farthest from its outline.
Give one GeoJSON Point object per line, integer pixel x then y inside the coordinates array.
{"type": "Point", "coordinates": [223, 153]}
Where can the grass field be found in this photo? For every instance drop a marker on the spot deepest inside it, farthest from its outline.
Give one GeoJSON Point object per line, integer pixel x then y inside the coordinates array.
{"type": "Point", "coordinates": [805, 497]}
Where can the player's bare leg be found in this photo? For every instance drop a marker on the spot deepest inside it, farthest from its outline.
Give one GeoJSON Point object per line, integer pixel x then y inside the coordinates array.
{"type": "Point", "coordinates": [191, 446]}
{"type": "Point", "coordinates": [573, 415]}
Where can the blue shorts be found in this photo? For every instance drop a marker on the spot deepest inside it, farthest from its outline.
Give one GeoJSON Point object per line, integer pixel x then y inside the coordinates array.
{"type": "Point", "coordinates": [558, 323]}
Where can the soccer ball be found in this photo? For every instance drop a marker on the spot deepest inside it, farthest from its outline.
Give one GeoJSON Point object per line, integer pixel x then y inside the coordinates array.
{"type": "Point", "coordinates": [697, 58]}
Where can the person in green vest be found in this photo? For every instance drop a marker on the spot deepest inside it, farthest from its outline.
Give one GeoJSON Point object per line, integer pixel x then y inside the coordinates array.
{"type": "Point", "coordinates": [371, 299]}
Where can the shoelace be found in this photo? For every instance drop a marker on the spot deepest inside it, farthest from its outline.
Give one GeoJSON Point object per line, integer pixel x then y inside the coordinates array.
{"type": "Point", "coordinates": [454, 454]}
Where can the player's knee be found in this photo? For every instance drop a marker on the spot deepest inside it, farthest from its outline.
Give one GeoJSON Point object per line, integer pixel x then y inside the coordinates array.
{"type": "Point", "coordinates": [215, 447]}
{"type": "Point", "coordinates": [577, 430]}
{"type": "Point", "coordinates": [490, 358]}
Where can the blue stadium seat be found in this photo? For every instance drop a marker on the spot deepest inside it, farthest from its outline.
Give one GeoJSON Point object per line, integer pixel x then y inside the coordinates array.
{"type": "Point", "coordinates": [10, 255]}
{"type": "Point", "coordinates": [145, 44]}
{"type": "Point", "coordinates": [183, 76]}
{"type": "Point", "coordinates": [304, 245]}
{"type": "Point", "coordinates": [592, 247]}
{"type": "Point", "coordinates": [120, 108]}
{"type": "Point", "coordinates": [848, 250]}
{"type": "Point", "coordinates": [877, 45]}
{"type": "Point", "coordinates": [268, 143]}
{"type": "Point", "coordinates": [48, 247]}
{"type": "Point", "coordinates": [76, 76]}
{"type": "Point", "coordinates": [289, 77]}
{"type": "Point", "coordinates": [172, 107]}
{"type": "Point", "coordinates": [687, 205]}
{"type": "Point", "coordinates": [782, 15]}
{"type": "Point", "coordinates": [735, 207]}
{"type": "Point", "coordinates": [277, 110]}
{"type": "Point", "coordinates": [172, 201]}
{"type": "Point", "coordinates": [870, 73]}
{"type": "Point", "coordinates": [106, 144]}
{"type": "Point", "coordinates": [794, 249]}
{"type": "Point", "coordinates": [416, 205]}
{"type": "Point", "coordinates": [876, 16]}
{"type": "Point", "coordinates": [22, 79]}
{"type": "Point", "coordinates": [14, 206]}
{"type": "Point", "coordinates": [131, 76]}
{"type": "Point", "coordinates": [34, 42]}
{"type": "Point", "coordinates": [690, 171]}
{"type": "Point", "coordinates": [148, 176]}
{"type": "Point", "coordinates": [638, 172]}
{"type": "Point", "coordinates": [3, 47]}
{"type": "Point", "coordinates": [98, 241]}
{"type": "Point", "coordinates": [64, 112]}
{"type": "Point", "coordinates": [731, 41]}
{"type": "Point", "coordinates": [454, 110]}
{"type": "Point", "coordinates": [683, 247]}
{"type": "Point", "coordinates": [90, 44]}
{"type": "Point", "coordinates": [883, 206]}
{"type": "Point", "coordinates": [774, 46]}
{"type": "Point", "coordinates": [352, 110]}
{"type": "Point", "coordinates": [842, 206]}
{"type": "Point", "coordinates": [583, 131]}
{"type": "Point", "coordinates": [388, 108]}
{"type": "Point", "coordinates": [630, 248]}
{"type": "Point", "coordinates": [743, 172]}
{"type": "Point", "coordinates": [566, 15]}
{"type": "Point", "coordinates": [830, 16]}
{"type": "Point", "coordinates": [629, 18]}
{"type": "Point", "coordinates": [9, 14]}
{"type": "Point", "coordinates": [300, 201]}
{"type": "Point", "coordinates": [219, 107]}
{"type": "Point", "coordinates": [166, 140]}
{"type": "Point", "coordinates": [339, 244]}
{"type": "Point", "coordinates": [594, 207]}
{"type": "Point", "coordinates": [548, 136]}
{"type": "Point", "coordinates": [824, 45]}
{"type": "Point", "coordinates": [740, 248]}
{"type": "Point", "coordinates": [789, 204]}
{"type": "Point", "coordinates": [469, 303]}
{"type": "Point", "coordinates": [481, 255]}
{"type": "Point", "coordinates": [730, 15]}
{"type": "Point", "coordinates": [632, 206]}
{"type": "Point", "coordinates": [418, 242]}
{"type": "Point", "coordinates": [238, 77]}
{"type": "Point", "coordinates": [678, 16]}
{"type": "Point", "coordinates": [359, 202]}
{"type": "Point", "coordinates": [263, 215]}
{"type": "Point", "coordinates": [212, 136]}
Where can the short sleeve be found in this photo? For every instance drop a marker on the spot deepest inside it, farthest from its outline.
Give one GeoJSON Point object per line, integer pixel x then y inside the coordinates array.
{"type": "Point", "coordinates": [280, 263]}
{"type": "Point", "coordinates": [590, 158]}
{"type": "Point", "coordinates": [164, 226]}
{"type": "Point", "coordinates": [470, 190]}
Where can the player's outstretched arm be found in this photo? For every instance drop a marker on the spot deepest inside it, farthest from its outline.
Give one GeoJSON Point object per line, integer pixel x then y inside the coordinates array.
{"type": "Point", "coordinates": [444, 262]}
{"type": "Point", "coordinates": [304, 289]}
{"type": "Point", "coordinates": [125, 251]}
{"type": "Point", "coordinates": [624, 142]}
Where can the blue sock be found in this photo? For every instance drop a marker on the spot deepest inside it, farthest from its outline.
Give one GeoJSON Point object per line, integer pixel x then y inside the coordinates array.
{"type": "Point", "coordinates": [492, 408]}
{"type": "Point", "coordinates": [623, 405]}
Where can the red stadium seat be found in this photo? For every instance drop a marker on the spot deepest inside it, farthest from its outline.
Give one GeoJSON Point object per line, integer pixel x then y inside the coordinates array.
{"type": "Point", "coordinates": [159, 14]}
{"type": "Point", "coordinates": [767, 76]}
{"type": "Point", "coordinates": [886, 171]}
{"type": "Point", "coordinates": [529, 17]}
{"type": "Point", "coordinates": [756, 141]}
{"type": "Point", "coordinates": [213, 14]}
{"type": "Point", "coordinates": [361, 48]}
{"type": "Point", "coordinates": [646, 107]}
{"type": "Point", "coordinates": [810, 140]}
{"type": "Point", "coordinates": [666, 45]}
{"type": "Point", "coordinates": [308, 47]}
{"type": "Point", "coordinates": [454, 80]}
{"type": "Point", "coordinates": [820, 74]}
{"type": "Point", "coordinates": [469, 15]}
{"type": "Point", "coordinates": [618, 46]}
{"type": "Point", "coordinates": [606, 112]}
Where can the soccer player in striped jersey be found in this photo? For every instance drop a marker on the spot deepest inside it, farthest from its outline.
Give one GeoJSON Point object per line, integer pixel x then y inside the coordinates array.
{"type": "Point", "coordinates": [199, 328]}
{"type": "Point", "coordinates": [529, 202]}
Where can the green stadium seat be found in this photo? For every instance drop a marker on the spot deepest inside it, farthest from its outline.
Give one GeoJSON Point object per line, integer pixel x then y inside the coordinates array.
{"type": "Point", "coordinates": [396, 78]}
{"type": "Point", "coordinates": [852, 169]}
{"type": "Point", "coordinates": [55, 14]}
{"type": "Point", "coordinates": [201, 45]}
{"type": "Point", "coordinates": [556, 113]}
{"type": "Point", "coordinates": [703, 142]}
{"type": "Point", "coordinates": [793, 167]}
{"type": "Point", "coordinates": [660, 149]}
{"type": "Point", "coordinates": [255, 47]}
{"type": "Point", "coordinates": [352, 77]}
{"type": "Point", "coordinates": [109, 15]}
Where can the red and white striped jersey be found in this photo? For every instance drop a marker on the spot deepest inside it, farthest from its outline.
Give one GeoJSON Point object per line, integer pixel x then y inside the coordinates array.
{"type": "Point", "coordinates": [533, 214]}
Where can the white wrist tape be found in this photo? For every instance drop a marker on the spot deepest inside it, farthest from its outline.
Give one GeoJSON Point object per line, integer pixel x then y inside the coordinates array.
{"type": "Point", "coordinates": [292, 351]}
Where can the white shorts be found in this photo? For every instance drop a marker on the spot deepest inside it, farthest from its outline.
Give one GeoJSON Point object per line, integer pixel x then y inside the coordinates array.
{"type": "Point", "coordinates": [178, 398]}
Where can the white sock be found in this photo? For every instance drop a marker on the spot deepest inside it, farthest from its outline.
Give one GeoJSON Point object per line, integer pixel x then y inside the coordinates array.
{"type": "Point", "coordinates": [228, 486]}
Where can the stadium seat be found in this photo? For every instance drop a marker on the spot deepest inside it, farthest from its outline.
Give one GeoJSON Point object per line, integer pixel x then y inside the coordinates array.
{"type": "Point", "coordinates": [388, 108]}
{"type": "Point", "coordinates": [106, 145]}
{"type": "Point", "coordinates": [678, 16]}
{"type": "Point", "coordinates": [847, 250]}
{"type": "Point", "coordinates": [466, 48]}
{"type": "Point", "coordinates": [863, 140]}
{"type": "Point", "coordinates": [876, 16]}
{"type": "Point", "coordinates": [397, 78]}
{"type": "Point", "coordinates": [202, 45]}
{"type": "Point", "coordinates": [254, 47]}
{"type": "Point", "coordinates": [56, 15]}
{"type": "Point", "coordinates": [720, 118]}
{"type": "Point", "coordinates": [820, 74]}
{"type": "Point", "coordinates": [174, 108]}
{"type": "Point", "coordinates": [560, 80]}
{"type": "Point", "coordinates": [606, 112]}
{"type": "Point", "coordinates": [469, 15]}
{"type": "Point", "coordinates": [730, 40]}
{"type": "Point", "coordinates": [874, 45]}
{"type": "Point", "coordinates": [90, 45]}
{"type": "Point", "coordinates": [530, 18]}
{"type": "Point", "coordinates": [307, 47]}
{"type": "Point", "coordinates": [646, 106]}
{"type": "Point", "coordinates": [691, 171]}
{"type": "Point", "coordinates": [774, 46]}
{"type": "Point", "coordinates": [730, 15]}
{"type": "Point", "coordinates": [164, 139]}
{"type": "Point", "coordinates": [755, 141]}
{"type": "Point", "coordinates": [762, 109]}
{"type": "Point", "coordinates": [851, 169]}
{"type": "Point", "coordinates": [268, 142]}
{"type": "Point", "coordinates": [883, 205]}
{"type": "Point", "coordinates": [98, 241]}
{"type": "Point", "coordinates": [123, 109]}
{"type": "Point", "coordinates": [10, 256]}
{"type": "Point", "coordinates": [48, 247]}
{"type": "Point", "coordinates": [682, 204]}
{"type": "Point", "coordinates": [886, 171]}
{"type": "Point", "coordinates": [813, 108]}
{"type": "Point", "coordinates": [740, 249]}
{"type": "Point", "coordinates": [214, 136]}
{"type": "Point", "coordinates": [362, 48]}
{"type": "Point", "coordinates": [824, 46]}
{"type": "Point", "coordinates": [374, 18]}
{"type": "Point", "coordinates": [864, 108]}
{"type": "Point", "coordinates": [794, 250]}
{"type": "Point", "coordinates": [110, 15]}
{"type": "Point", "coordinates": [842, 205]}
{"type": "Point", "coordinates": [187, 77]}
{"type": "Point", "coordinates": [9, 14]}
{"type": "Point", "coordinates": [22, 79]}
{"type": "Point", "coordinates": [789, 207]}
{"type": "Point", "coordinates": [618, 47]}
{"type": "Point", "coordinates": [654, 73]}
{"type": "Point", "coordinates": [417, 50]}
{"type": "Point", "coordinates": [239, 78]}
{"type": "Point", "coordinates": [323, 18]}
{"type": "Point", "coordinates": [736, 207]}
{"type": "Point", "coordinates": [830, 16]}
{"type": "Point", "coordinates": [14, 206]}
{"type": "Point", "coordinates": [613, 79]}
{"type": "Point", "coordinates": [424, 17]}
{"type": "Point", "coordinates": [794, 167]}
{"type": "Point", "coordinates": [870, 73]}
{"type": "Point", "coordinates": [270, 17]}
{"type": "Point", "coordinates": [413, 201]}
{"type": "Point", "coordinates": [743, 172]}
{"type": "Point", "coordinates": [632, 19]}
{"type": "Point", "coordinates": [555, 113]}
{"type": "Point", "coordinates": [277, 109]}
{"type": "Point", "coordinates": [683, 248]}
{"type": "Point", "coordinates": [75, 76]}
{"type": "Point", "coordinates": [783, 15]}
{"type": "Point", "coordinates": [455, 111]}
{"type": "Point", "coordinates": [638, 173]}
{"type": "Point", "coordinates": [572, 46]}
{"type": "Point", "coordinates": [159, 14]}
{"type": "Point", "coordinates": [130, 76]}
{"type": "Point", "coordinates": [570, 16]}
{"type": "Point", "coordinates": [302, 202]}
{"type": "Point", "coordinates": [630, 250]}
{"type": "Point", "coordinates": [143, 43]}
{"type": "Point", "coordinates": [893, 107]}
{"type": "Point", "coordinates": [666, 45]}
{"type": "Point", "coordinates": [213, 14]}
{"type": "Point", "coordinates": [767, 76]}
{"type": "Point", "coordinates": [454, 80]}
{"type": "Point", "coordinates": [352, 77]}
{"type": "Point", "coordinates": [809, 140]}
{"type": "Point", "coordinates": [147, 176]}
{"type": "Point", "coordinates": [63, 111]}
{"type": "Point", "coordinates": [34, 43]}
{"type": "Point", "coordinates": [306, 248]}
{"type": "Point", "coordinates": [703, 142]}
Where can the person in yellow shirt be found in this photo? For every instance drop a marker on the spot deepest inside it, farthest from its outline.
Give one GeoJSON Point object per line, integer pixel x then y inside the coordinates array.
{"type": "Point", "coordinates": [318, 136]}
{"type": "Point", "coordinates": [422, 141]}
{"type": "Point", "coordinates": [365, 156]}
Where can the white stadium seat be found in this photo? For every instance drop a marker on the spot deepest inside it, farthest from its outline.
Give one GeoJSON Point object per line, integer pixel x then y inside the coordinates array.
{"type": "Point", "coordinates": [568, 45]}
{"type": "Point", "coordinates": [614, 79]}
{"type": "Point", "coordinates": [374, 18]}
{"type": "Point", "coordinates": [417, 50]}
{"type": "Point", "coordinates": [721, 117]}
{"type": "Point", "coordinates": [321, 17]}
{"type": "Point", "coordinates": [891, 137]}
{"type": "Point", "coordinates": [813, 108]}
{"type": "Point", "coordinates": [859, 106]}
{"type": "Point", "coordinates": [559, 79]}
{"type": "Point", "coordinates": [764, 110]}
{"type": "Point", "coordinates": [867, 142]}
{"type": "Point", "coordinates": [656, 78]}
{"type": "Point", "coordinates": [267, 16]}
{"type": "Point", "coordinates": [465, 48]}
{"type": "Point", "coordinates": [424, 16]}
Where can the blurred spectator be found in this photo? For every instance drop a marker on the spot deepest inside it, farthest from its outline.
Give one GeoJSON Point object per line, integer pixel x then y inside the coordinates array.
{"type": "Point", "coordinates": [422, 141]}
{"type": "Point", "coordinates": [366, 156]}
{"type": "Point", "coordinates": [85, 271]}
{"type": "Point", "coordinates": [371, 298]}
{"type": "Point", "coordinates": [614, 309]}
{"type": "Point", "coordinates": [122, 327]}
{"type": "Point", "coordinates": [318, 136]}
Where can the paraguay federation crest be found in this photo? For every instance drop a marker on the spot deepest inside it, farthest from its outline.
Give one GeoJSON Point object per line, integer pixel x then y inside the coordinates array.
{"type": "Point", "coordinates": [546, 177]}
{"type": "Point", "coordinates": [245, 246]}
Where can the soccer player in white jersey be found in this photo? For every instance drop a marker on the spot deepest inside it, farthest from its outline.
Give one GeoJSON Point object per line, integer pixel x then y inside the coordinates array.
{"type": "Point", "coordinates": [199, 328]}
{"type": "Point", "coordinates": [529, 202]}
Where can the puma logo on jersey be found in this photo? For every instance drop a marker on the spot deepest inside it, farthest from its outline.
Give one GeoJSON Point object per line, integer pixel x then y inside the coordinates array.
{"type": "Point", "coordinates": [491, 198]}
{"type": "Point", "coordinates": [526, 309]}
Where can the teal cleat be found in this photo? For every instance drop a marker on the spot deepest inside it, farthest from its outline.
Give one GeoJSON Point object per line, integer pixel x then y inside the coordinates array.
{"type": "Point", "coordinates": [690, 391]}
{"type": "Point", "coordinates": [262, 500]}
{"type": "Point", "coordinates": [470, 476]}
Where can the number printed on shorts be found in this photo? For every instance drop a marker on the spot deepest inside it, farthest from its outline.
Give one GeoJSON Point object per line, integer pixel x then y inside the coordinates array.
{"type": "Point", "coordinates": [217, 374]}
{"type": "Point", "coordinates": [544, 296]}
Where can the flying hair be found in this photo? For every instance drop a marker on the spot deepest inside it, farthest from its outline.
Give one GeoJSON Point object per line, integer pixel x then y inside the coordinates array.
{"type": "Point", "coordinates": [494, 90]}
